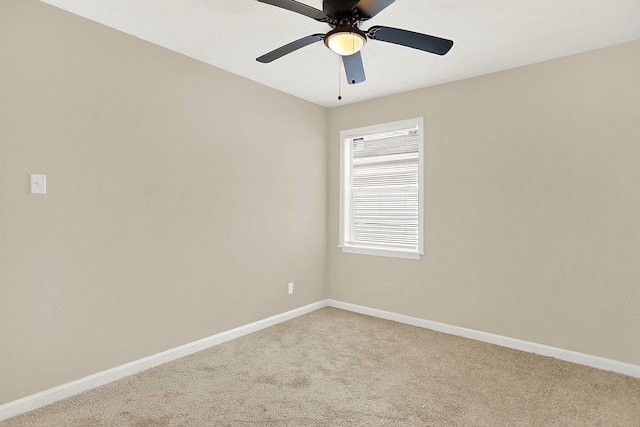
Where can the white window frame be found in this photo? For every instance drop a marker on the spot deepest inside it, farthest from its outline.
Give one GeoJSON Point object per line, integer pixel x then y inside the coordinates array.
{"type": "Point", "coordinates": [346, 137]}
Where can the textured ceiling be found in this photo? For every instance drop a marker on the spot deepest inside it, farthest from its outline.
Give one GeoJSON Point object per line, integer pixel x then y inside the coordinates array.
{"type": "Point", "coordinates": [489, 36]}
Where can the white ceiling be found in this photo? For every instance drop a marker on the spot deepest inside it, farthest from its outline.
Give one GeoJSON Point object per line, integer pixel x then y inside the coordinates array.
{"type": "Point", "coordinates": [489, 36]}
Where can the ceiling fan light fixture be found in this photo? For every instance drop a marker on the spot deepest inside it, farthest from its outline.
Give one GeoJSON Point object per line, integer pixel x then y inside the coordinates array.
{"type": "Point", "coordinates": [345, 41]}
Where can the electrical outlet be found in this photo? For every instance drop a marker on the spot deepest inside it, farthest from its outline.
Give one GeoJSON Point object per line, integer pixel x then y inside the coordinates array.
{"type": "Point", "coordinates": [290, 288]}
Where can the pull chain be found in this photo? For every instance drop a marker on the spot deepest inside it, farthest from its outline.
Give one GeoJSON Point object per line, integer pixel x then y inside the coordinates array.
{"type": "Point", "coordinates": [353, 48]}
{"type": "Point", "coordinates": [339, 80]}
{"type": "Point", "coordinates": [346, 71]}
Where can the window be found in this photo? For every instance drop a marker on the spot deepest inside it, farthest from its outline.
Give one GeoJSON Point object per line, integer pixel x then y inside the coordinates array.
{"type": "Point", "coordinates": [381, 200]}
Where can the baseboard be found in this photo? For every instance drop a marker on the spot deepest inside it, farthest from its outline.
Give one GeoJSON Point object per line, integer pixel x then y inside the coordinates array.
{"type": "Point", "coordinates": [46, 397]}
{"type": "Point", "coordinates": [35, 401]}
{"type": "Point", "coordinates": [544, 350]}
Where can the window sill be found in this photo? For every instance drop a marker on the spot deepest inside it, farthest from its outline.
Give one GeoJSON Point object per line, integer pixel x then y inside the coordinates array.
{"type": "Point", "coordinates": [380, 252]}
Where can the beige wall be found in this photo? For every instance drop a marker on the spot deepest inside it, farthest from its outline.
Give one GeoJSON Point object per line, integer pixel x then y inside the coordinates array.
{"type": "Point", "coordinates": [163, 173]}
{"type": "Point", "coordinates": [532, 205]}
{"type": "Point", "coordinates": [181, 199]}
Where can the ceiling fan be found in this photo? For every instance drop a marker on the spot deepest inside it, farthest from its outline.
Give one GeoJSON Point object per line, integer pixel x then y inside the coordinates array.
{"type": "Point", "coordinates": [346, 38]}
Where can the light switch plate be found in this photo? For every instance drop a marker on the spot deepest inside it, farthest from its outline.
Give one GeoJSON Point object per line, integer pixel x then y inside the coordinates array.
{"type": "Point", "coordinates": [38, 184]}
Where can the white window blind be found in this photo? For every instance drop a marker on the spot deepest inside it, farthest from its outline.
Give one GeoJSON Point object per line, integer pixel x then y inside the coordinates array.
{"type": "Point", "coordinates": [381, 191]}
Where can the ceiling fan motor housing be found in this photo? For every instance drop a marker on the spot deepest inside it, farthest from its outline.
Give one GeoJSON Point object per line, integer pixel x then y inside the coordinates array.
{"type": "Point", "coordinates": [339, 7]}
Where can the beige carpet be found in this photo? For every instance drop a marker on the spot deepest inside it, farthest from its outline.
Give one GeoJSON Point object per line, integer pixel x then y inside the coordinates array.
{"type": "Point", "coordinates": [336, 368]}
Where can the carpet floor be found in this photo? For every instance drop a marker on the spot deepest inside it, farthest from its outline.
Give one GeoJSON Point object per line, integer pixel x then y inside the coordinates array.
{"type": "Point", "coordinates": [336, 368]}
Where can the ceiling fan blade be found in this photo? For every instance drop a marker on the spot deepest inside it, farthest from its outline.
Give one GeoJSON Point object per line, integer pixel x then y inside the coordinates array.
{"type": "Point", "coordinates": [407, 38]}
{"type": "Point", "coordinates": [290, 47]}
{"type": "Point", "coordinates": [300, 8]}
{"type": "Point", "coordinates": [353, 68]}
{"type": "Point", "coordinates": [370, 8]}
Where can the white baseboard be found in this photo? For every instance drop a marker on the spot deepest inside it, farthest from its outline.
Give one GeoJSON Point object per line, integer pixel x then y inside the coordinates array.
{"type": "Point", "coordinates": [544, 350]}
{"type": "Point", "coordinates": [46, 397]}
{"type": "Point", "coordinates": [35, 401]}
